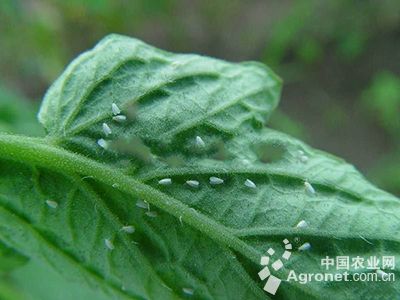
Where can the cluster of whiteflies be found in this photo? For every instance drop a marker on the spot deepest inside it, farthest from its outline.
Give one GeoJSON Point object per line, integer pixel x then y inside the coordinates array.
{"type": "Point", "coordinates": [213, 180]}
{"type": "Point", "coordinates": [118, 117]}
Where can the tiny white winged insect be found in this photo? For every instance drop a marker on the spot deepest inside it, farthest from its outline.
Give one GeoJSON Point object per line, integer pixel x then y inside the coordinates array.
{"type": "Point", "coordinates": [52, 204]}
{"type": "Point", "coordinates": [304, 158]}
{"type": "Point", "coordinates": [115, 109]}
{"type": "Point", "coordinates": [102, 143]}
{"type": "Point", "coordinates": [106, 129]}
{"type": "Point", "coordinates": [382, 274]}
{"type": "Point", "coordinates": [109, 244]}
{"type": "Point", "coordinates": [193, 183]}
{"type": "Point", "coordinates": [128, 229]}
{"type": "Point", "coordinates": [143, 204]}
{"type": "Point", "coordinates": [250, 184]}
{"type": "Point", "coordinates": [216, 180]}
{"type": "Point", "coordinates": [119, 118]}
{"type": "Point", "coordinates": [305, 247]}
{"type": "Point", "coordinates": [302, 224]}
{"type": "Point", "coordinates": [199, 142]}
{"type": "Point", "coordinates": [165, 181]}
{"type": "Point", "coordinates": [188, 291]}
{"type": "Point", "coordinates": [309, 188]}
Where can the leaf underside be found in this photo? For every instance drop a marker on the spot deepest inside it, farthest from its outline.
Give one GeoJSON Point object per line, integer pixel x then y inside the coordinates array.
{"type": "Point", "coordinates": [169, 100]}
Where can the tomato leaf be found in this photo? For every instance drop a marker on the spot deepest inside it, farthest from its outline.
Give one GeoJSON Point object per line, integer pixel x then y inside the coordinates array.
{"type": "Point", "coordinates": [193, 171]}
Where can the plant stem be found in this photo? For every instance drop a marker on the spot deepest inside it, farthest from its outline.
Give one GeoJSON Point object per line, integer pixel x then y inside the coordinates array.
{"type": "Point", "coordinates": [38, 152]}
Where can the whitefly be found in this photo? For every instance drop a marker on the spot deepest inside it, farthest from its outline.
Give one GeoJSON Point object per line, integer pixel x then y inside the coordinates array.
{"type": "Point", "coordinates": [115, 109]}
{"type": "Point", "coordinates": [109, 244]}
{"type": "Point", "coordinates": [52, 204]}
{"type": "Point", "coordinates": [250, 184]}
{"type": "Point", "coordinates": [216, 180]}
{"type": "Point", "coordinates": [165, 181]}
{"type": "Point", "coordinates": [106, 129]}
{"type": "Point", "coordinates": [193, 183]}
{"type": "Point", "coordinates": [102, 143]}
{"type": "Point", "coordinates": [119, 118]}
{"type": "Point", "coordinates": [128, 229]}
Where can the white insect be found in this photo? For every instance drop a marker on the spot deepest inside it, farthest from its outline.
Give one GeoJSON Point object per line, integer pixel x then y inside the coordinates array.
{"type": "Point", "coordinates": [304, 159]}
{"type": "Point", "coordinates": [193, 183]}
{"type": "Point", "coordinates": [216, 180]}
{"type": "Point", "coordinates": [199, 142]}
{"type": "Point", "coordinates": [305, 247]}
{"type": "Point", "coordinates": [302, 224]}
{"type": "Point", "coordinates": [52, 204]}
{"type": "Point", "coordinates": [382, 274]}
{"type": "Point", "coordinates": [106, 129]}
{"type": "Point", "coordinates": [119, 118]}
{"type": "Point", "coordinates": [188, 291]}
{"type": "Point", "coordinates": [309, 188]}
{"type": "Point", "coordinates": [102, 143]}
{"type": "Point", "coordinates": [128, 229]}
{"type": "Point", "coordinates": [115, 109]}
{"type": "Point", "coordinates": [143, 204]}
{"type": "Point", "coordinates": [180, 220]}
{"type": "Point", "coordinates": [250, 184]}
{"type": "Point", "coordinates": [151, 214]}
{"type": "Point", "coordinates": [165, 181]}
{"type": "Point", "coordinates": [246, 162]}
{"type": "Point", "coordinates": [109, 244]}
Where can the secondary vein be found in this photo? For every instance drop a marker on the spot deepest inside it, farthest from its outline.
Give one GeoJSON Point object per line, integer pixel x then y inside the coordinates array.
{"type": "Point", "coordinates": [20, 148]}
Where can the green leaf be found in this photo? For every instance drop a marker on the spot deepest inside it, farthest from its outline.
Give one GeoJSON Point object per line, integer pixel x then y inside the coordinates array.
{"type": "Point", "coordinates": [382, 100]}
{"type": "Point", "coordinates": [154, 88]}
{"type": "Point", "coordinates": [207, 239]}
{"type": "Point", "coordinates": [10, 259]}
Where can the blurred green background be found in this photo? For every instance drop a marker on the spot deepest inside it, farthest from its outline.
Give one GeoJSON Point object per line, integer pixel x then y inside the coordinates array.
{"type": "Point", "coordinates": [340, 61]}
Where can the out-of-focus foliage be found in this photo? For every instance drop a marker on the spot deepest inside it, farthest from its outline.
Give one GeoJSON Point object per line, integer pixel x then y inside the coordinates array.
{"type": "Point", "coordinates": [382, 102]}
{"type": "Point", "coordinates": [344, 26]}
{"type": "Point", "coordinates": [382, 99]}
{"type": "Point", "coordinates": [338, 58]}
{"type": "Point", "coordinates": [17, 115]}
{"type": "Point", "coordinates": [360, 37]}
{"type": "Point", "coordinates": [9, 261]}
{"type": "Point", "coordinates": [387, 172]}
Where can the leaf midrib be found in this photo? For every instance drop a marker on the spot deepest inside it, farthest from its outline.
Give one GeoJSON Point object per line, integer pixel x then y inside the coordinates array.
{"type": "Point", "coordinates": [20, 148]}
{"type": "Point", "coordinates": [44, 154]}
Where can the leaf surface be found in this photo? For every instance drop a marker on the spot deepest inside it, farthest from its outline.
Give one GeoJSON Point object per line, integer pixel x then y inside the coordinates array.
{"type": "Point", "coordinates": [205, 239]}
